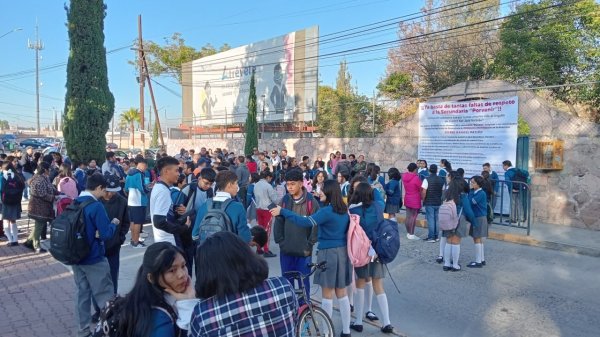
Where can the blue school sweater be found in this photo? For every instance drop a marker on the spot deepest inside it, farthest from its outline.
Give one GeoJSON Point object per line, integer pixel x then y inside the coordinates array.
{"type": "Point", "coordinates": [332, 227]}
{"type": "Point", "coordinates": [467, 210]}
{"type": "Point", "coordinates": [392, 190]}
{"type": "Point", "coordinates": [236, 213]}
{"type": "Point", "coordinates": [96, 220]}
{"type": "Point", "coordinates": [478, 200]}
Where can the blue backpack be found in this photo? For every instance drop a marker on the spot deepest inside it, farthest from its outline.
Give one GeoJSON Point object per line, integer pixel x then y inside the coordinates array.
{"type": "Point", "coordinates": [386, 241]}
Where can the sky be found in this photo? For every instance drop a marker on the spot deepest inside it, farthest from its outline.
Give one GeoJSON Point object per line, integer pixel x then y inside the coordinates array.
{"type": "Point", "coordinates": [200, 22]}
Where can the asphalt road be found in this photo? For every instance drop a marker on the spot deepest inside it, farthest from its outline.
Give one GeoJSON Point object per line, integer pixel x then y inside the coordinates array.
{"type": "Point", "coordinates": [523, 291]}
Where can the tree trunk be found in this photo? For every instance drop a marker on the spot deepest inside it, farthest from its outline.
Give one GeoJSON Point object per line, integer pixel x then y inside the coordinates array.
{"type": "Point", "coordinates": [132, 129]}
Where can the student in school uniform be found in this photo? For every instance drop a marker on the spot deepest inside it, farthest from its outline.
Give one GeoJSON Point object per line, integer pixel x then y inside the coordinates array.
{"type": "Point", "coordinates": [479, 229]}
{"type": "Point", "coordinates": [332, 221]}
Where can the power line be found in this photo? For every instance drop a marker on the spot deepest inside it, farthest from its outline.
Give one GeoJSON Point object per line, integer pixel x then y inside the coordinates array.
{"type": "Point", "coordinates": [362, 49]}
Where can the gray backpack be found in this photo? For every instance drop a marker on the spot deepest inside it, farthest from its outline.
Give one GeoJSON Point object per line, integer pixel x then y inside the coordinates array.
{"type": "Point", "coordinates": [215, 220]}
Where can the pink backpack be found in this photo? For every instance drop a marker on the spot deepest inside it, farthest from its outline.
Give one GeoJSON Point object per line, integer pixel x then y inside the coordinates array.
{"type": "Point", "coordinates": [68, 186]}
{"type": "Point", "coordinates": [358, 243]}
{"type": "Point", "coordinates": [448, 218]}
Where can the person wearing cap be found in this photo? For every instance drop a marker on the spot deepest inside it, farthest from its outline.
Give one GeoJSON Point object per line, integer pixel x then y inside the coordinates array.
{"type": "Point", "coordinates": [137, 200]}
{"type": "Point", "coordinates": [148, 308]}
{"type": "Point", "coordinates": [116, 208]}
{"type": "Point", "coordinates": [92, 273]}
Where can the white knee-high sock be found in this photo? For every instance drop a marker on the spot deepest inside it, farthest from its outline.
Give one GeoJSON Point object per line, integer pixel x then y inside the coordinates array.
{"type": "Point", "coordinates": [478, 251]}
{"type": "Point", "coordinates": [350, 291]}
{"type": "Point", "coordinates": [482, 253]}
{"type": "Point", "coordinates": [442, 245]}
{"type": "Point", "coordinates": [383, 306]}
{"type": "Point", "coordinates": [359, 301]}
{"type": "Point", "coordinates": [327, 305]}
{"type": "Point", "coordinates": [455, 256]}
{"type": "Point", "coordinates": [345, 313]}
{"type": "Point", "coordinates": [15, 232]}
{"type": "Point", "coordinates": [368, 296]}
{"type": "Point", "coordinates": [447, 255]}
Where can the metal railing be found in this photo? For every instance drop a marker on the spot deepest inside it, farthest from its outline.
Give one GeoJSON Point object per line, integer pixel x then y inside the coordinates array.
{"type": "Point", "coordinates": [511, 206]}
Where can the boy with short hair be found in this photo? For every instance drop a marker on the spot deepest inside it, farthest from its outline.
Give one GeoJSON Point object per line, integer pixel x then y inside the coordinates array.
{"type": "Point", "coordinates": [227, 188]}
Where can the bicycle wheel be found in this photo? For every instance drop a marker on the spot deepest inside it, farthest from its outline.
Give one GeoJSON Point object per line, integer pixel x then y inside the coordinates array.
{"type": "Point", "coordinates": [317, 324]}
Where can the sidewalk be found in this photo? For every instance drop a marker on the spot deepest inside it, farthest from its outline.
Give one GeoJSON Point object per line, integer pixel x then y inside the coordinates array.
{"type": "Point", "coordinates": [37, 294]}
{"type": "Point", "coordinates": [562, 238]}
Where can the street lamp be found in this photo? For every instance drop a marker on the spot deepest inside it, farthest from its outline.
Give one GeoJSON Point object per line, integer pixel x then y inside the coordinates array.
{"type": "Point", "coordinates": [10, 31]}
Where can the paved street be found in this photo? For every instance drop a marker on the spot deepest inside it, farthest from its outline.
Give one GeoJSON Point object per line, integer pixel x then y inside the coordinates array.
{"type": "Point", "coordinates": [523, 291]}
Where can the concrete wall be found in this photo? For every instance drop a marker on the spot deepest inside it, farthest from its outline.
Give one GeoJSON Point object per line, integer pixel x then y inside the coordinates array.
{"type": "Point", "coordinates": [569, 197]}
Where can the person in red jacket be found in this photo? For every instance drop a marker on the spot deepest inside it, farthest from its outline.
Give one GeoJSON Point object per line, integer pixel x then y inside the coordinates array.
{"type": "Point", "coordinates": [412, 199]}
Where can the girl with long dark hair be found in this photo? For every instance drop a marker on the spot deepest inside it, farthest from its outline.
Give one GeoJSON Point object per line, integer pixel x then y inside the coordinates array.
{"type": "Point", "coordinates": [371, 215]}
{"type": "Point", "coordinates": [394, 196]}
{"type": "Point", "coordinates": [456, 194]}
{"type": "Point", "coordinates": [148, 309]}
{"type": "Point", "coordinates": [235, 294]}
{"type": "Point", "coordinates": [332, 221]}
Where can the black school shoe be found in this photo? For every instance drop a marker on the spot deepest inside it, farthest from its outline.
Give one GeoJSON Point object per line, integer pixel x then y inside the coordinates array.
{"type": "Point", "coordinates": [475, 265]}
{"type": "Point", "coordinates": [439, 259]}
{"type": "Point", "coordinates": [387, 329]}
{"type": "Point", "coordinates": [345, 335]}
{"type": "Point", "coordinates": [356, 327]}
{"type": "Point", "coordinates": [446, 268]}
{"type": "Point", "coordinates": [371, 316]}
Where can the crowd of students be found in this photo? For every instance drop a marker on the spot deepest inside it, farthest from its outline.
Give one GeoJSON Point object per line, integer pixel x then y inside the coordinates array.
{"type": "Point", "coordinates": [256, 197]}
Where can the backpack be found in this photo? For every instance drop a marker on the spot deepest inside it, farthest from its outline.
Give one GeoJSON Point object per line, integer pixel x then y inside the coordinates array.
{"type": "Point", "coordinates": [521, 178]}
{"type": "Point", "coordinates": [68, 186]}
{"type": "Point", "coordinates": [62, 204]}
{"type": "Point", "coordinates": [448, 217]}
{"type": "Point", "coordinates": [113, 313]}
{"type": "Point", "coordinates": [12, 190]}
{"type": "Point", "coordinates": [387, 241]}
{"type": "Point", "coordinates": [68, 241]}
{"type": "Point", "coordinates": [215, 220]}
{"type": "Point", "coordinates": [358, 243]}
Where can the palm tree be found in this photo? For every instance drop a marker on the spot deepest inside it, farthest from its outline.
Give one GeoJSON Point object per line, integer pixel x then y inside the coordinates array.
{"type": "Point", "coordinates": [129, 118]}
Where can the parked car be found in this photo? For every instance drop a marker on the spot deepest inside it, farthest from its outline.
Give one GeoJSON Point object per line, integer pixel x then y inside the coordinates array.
{"type": "Point", "coordinates": [34, 143]}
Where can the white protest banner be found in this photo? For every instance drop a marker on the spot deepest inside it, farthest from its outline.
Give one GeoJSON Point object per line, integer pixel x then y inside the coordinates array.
{"type": "Point", "coordinates": [469, 133]}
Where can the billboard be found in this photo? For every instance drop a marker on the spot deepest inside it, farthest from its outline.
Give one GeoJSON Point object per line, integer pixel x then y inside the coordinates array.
{"type": "Point", "coordinates": [216, 88]}
{"type": "Point", "coordinates": [469, 133]}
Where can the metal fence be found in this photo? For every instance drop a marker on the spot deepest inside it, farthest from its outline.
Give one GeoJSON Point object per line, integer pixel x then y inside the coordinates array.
{"type": "Point", "coordinates": [511, 203]}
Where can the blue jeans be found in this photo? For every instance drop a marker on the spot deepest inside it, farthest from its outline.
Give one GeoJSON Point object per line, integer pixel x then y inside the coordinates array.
{"type": "Point", "coordinates": [27, 176]}
{"type": "Point", "coordinates": [431, 214]}
{"type": "Point", "coordinates": [296, 263]}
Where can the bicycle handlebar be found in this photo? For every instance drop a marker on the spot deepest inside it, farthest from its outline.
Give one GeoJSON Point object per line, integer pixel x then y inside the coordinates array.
{"type": "Point", "coordinates": [313, 268]}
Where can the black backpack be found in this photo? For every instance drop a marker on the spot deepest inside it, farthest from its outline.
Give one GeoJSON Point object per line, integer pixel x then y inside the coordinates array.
{"type": "Point", "coordinates": [68, 240]}
{"type": "Point", "coordinates": [215, 220]}
{"type": "Point", "coordinates": [12, 190]}
{"type": "Point", "coordinates": [387, 241]}
{"type": "Point", "coordinates": [112, 315]}
{"type": "Point", "coordinates": [521, 178]}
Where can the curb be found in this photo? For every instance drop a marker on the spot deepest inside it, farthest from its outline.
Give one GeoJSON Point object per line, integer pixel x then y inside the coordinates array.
{"type": "Point", "coordinates": [526, 240]}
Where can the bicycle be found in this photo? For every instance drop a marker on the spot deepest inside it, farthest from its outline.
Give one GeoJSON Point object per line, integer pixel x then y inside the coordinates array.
{"type": "Point", "coordinates": [312, 321]}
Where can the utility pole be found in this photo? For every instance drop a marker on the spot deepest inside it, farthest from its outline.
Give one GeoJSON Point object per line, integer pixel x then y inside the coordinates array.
{"type": "Point", "coordinates": [141, 78]}
{"type": "Point", "coordinates": [112, 134]}
{"type": "Point", "coordinates": [37, 45]}
{"type": "Point", "coordinates": [373, 114]}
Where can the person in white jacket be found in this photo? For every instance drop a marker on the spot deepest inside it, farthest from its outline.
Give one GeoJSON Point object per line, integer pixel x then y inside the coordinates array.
{"type": "Point", "coordinates": [265, 196]}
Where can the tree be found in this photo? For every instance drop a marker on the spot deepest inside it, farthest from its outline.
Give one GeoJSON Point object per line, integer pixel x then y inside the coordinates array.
{"type": "Point", "coordinates": [167, 59]}
{"type": "Point", "coordinates": [4, 125]}
{"type": "Point", "coordinates": [89, 104]}
{"type": "Point", "coordinates": [154, 141]}
{"type": "Point", "coordinates": [343, 112]}
{"type": "Point", "coordinates": [547, 46]}
{"type": "Point", "coordinates": [396, 85]}
{"type": "Point", "coordinates": [129, 118]}
{"type": "Point", "coordinates": [436, 52]}
{"type": "Point", "coordinates": [251, 124]}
